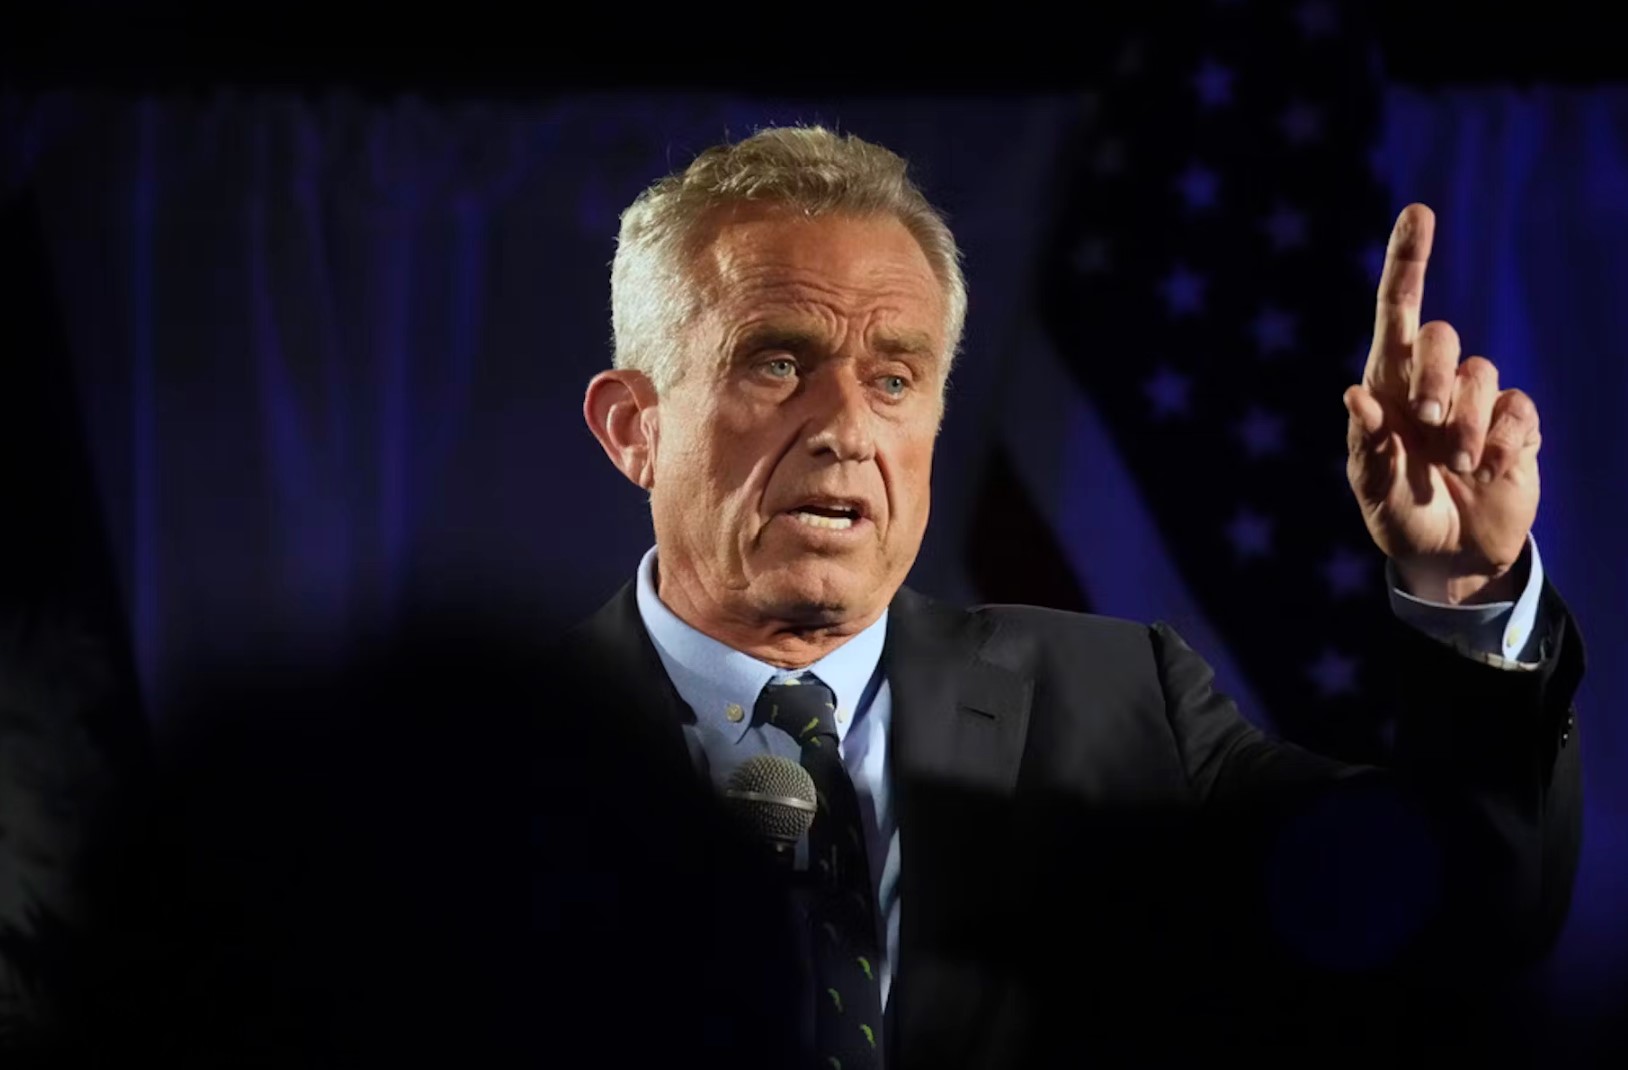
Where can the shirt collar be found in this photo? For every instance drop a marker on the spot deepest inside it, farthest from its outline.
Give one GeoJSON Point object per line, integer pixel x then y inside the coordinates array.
{"type": "Point", "coordinates": [722, 684]}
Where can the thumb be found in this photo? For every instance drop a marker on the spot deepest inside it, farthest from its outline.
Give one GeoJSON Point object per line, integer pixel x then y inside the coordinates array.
{"type": "Point", "coordinates": [1372, 463]}
{"type": "Point", "coordinates": [1365, 432]}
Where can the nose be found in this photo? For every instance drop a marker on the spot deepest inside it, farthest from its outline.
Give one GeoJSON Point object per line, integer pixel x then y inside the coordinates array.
{"type": "Point", "coordinates": [840, 423]}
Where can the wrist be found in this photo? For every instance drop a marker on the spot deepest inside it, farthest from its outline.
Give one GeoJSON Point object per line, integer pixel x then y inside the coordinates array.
{"type": "Point", "coordinates": [1446, 586]}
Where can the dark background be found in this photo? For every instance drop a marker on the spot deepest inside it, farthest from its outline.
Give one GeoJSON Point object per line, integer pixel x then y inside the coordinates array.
{"type": "Point", "coordinates": [493, 50]}
{"type": "Point", "coordinates": [172, 488]}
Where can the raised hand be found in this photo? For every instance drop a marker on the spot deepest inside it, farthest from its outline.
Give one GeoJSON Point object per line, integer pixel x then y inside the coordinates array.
{"type": "Point", "coordinates": [1443, 463]}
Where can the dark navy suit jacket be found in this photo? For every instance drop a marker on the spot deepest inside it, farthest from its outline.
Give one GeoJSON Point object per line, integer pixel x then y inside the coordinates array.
{"type": "Point", "coordinates": [468, 845]}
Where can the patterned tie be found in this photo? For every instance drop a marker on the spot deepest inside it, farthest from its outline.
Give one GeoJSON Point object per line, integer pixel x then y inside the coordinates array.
{"type": "Point", "coordinates": [848, 995]}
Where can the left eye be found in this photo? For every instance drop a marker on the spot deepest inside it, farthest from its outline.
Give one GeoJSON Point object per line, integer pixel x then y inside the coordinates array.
{"type": "Point", "coordinates": [895, 384]}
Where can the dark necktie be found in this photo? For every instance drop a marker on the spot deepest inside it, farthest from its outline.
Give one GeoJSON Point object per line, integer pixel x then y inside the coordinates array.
{"type": "Point", "coordinates": [847, 952]}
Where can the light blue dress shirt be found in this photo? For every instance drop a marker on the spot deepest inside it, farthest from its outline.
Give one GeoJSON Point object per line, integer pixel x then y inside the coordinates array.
{"type": "Point", "coordinates": [1507, 634]}
{"type": "Point", "coordinates": [722, 684]}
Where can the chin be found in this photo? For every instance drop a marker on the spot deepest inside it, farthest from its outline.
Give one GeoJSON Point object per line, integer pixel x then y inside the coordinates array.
{"type": "Point", "coordinates": [810, 614]}
{"type": "Point", "coordinates": [830, 600]}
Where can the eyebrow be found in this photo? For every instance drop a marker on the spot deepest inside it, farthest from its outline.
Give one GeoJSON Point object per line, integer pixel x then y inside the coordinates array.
{"type": "Point", "coordinates": [797, 339]}
{"type": "Point", "coordinates": [905, 343]}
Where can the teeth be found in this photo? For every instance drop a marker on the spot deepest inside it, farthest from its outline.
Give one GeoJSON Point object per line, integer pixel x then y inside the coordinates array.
{"type": "Point", "coordinates": [831, 523]}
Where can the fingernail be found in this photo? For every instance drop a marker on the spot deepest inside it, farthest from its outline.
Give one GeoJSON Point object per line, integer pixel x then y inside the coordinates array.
{"type": "Point", "coordinates": [1483, 475]}
{"type": "Point", "coordinates": [1430, 411]}
{"type": "Point", "coordinates": [1461, 461]}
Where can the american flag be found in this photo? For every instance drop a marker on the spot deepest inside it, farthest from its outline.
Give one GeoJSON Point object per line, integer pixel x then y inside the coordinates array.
{"type": "Point", "coordinates": [1207, 295]}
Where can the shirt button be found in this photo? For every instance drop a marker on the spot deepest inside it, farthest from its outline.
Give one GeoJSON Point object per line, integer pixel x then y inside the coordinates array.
{"type": "Point", "coordinates": [1512, 637]}
{"type": "Point", "coordinates": [735, 713]}
{"type": "Point", "coordinates": [842, 717]}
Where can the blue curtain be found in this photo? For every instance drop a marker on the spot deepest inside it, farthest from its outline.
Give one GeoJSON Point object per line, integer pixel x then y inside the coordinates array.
{"type": "Point", "coordinates": [1531, 266]}
{"type": "Point", "coordinates": [331, 355]}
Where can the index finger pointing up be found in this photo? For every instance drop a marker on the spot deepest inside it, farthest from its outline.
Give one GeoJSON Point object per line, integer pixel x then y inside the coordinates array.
{"type": "Point", "coordinates": [1401, 289]}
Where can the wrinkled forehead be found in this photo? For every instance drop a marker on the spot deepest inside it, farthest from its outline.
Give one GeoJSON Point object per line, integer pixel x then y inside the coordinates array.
{"type": "Point", "coordinates": [765, 261]}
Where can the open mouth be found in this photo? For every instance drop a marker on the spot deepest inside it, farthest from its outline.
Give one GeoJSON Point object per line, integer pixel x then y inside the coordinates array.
{"type": "Point", "coordinates": [828, 516]}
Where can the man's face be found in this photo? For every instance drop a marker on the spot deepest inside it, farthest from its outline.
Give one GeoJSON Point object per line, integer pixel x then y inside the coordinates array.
{"type": "Point", "coordinates": [793, 458]}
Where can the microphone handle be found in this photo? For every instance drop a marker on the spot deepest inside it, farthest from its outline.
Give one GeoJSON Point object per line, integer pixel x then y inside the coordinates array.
{"type": "Point", "coordinates": [782, 855]}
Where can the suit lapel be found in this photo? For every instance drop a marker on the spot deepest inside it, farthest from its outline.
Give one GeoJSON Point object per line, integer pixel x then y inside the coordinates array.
{"type": "Point", "coordinates": [958, 731]}
{"type": "Point", "coordinates": [613, 652]}
{"type": "Point", "coordinates": [956, 716]}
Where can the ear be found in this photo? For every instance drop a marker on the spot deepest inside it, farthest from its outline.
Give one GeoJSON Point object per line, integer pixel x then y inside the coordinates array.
{"type": "Point", "coordinates": [621, 410]}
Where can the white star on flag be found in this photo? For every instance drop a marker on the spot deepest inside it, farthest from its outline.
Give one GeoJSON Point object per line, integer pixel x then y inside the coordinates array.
{"type": "Point", "coordinates": [1274, 331]}
{"type": "Point", "coordinates": [1346, 572]}
{"type": "Point", "coordinates": [1334, 673]}
{"type": "Point", "coordinates": [1262, 433]}
{"type": "Point", "coordinates": [1213, 83]}
{"type": "Point", "coordinates": [1183, 291]}
{"type": "Point", "coordinates": [1168, 391]}
{"type": "Point", "coordinates": [1250, 534]}
{"type": "Point", "coordinates": [1199, 187]}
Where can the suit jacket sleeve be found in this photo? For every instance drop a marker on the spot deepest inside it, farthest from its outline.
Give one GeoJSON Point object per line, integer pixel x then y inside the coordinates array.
{"type": "Point", "coordinates": [1462, 848]}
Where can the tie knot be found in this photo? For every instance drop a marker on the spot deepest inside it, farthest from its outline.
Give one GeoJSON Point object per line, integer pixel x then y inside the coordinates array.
{"type": "Point", "coordinates": [802, 707]}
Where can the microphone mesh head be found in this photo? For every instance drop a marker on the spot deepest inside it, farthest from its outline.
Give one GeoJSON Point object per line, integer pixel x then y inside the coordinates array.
{"type": "Point", "coordinates": [765, 791]}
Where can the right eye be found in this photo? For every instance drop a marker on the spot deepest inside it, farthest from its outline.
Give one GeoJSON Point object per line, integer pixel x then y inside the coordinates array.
{"type": "Point", "coordinates": [780, 367]}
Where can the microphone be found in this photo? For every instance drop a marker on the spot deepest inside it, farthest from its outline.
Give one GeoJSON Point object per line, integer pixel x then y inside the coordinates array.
{"type": "Point", "coordinates": [774, 799]}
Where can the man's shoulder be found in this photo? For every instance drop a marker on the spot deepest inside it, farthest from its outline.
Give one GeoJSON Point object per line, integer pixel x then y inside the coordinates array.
{"type": "Point", "coordinates": [1028, 637]}
{"type": "Point", "coordinates": [1039, 621]}
{"type": "Point", "coordinates": [616, 620]}
{"type": "Point", "coordinates": [1047, 621]}
{"type": "Point", "coordinates": [1018, 635]}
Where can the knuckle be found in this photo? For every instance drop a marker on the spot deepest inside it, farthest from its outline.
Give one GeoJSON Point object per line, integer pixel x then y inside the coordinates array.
{"type": "Point", "coordinates": [1468, 435]}
{"type": "Point", "coordinates": [1506, 433]}
{"type": "Point", "coordinates": [1431, 382]}
{"type": "Point", "coordinates": [1401, 296]}
{"type": "Point", "coordinates": [1495, 461]}
{"type": "Point", "coordinates": [1480, 371]}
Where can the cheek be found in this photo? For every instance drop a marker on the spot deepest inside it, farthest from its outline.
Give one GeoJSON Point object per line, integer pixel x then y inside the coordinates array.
{"type": "Point", "coordinates": [744, 450]}
{"type": "Point", "coordinates": [911, 484]}
{"type": "Point", "coordinates": [692, 448]}
{"type": "Point", "coordinates": [728, 471]}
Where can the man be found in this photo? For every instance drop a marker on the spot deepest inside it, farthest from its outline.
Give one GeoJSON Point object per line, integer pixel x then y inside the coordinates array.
{"type": "Point", "coordinates": [1071, 843]}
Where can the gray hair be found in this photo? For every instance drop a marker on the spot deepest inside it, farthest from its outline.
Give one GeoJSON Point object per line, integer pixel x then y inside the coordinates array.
{"type": "Point", "coordinates": [807, 168]}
